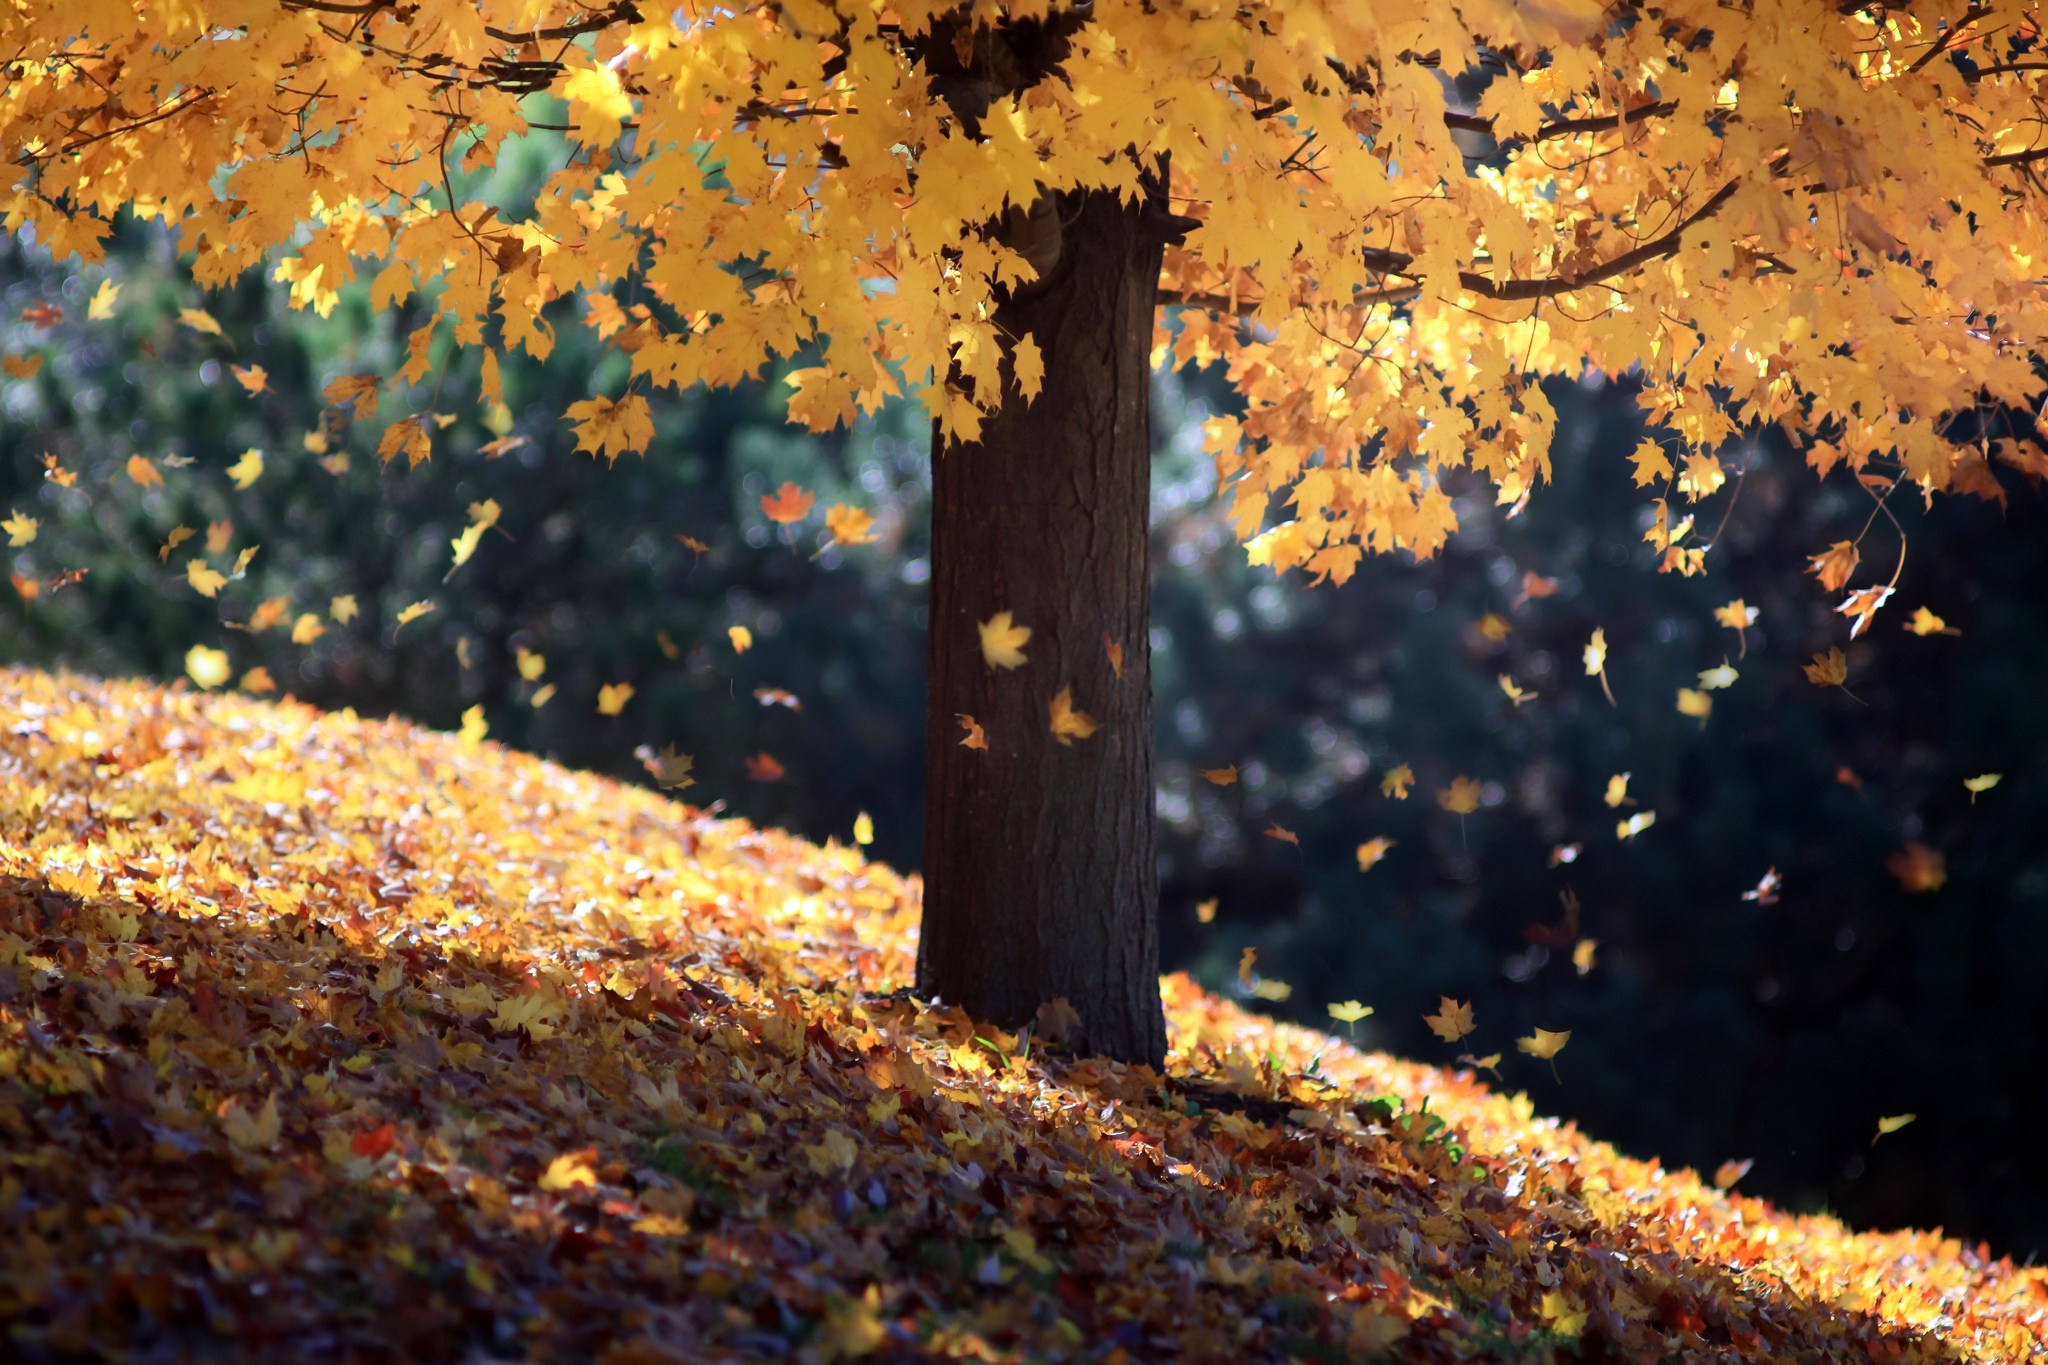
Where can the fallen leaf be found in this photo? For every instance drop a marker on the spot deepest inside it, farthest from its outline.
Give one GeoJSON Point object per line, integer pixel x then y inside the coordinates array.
{"type": "Point", "coordinates": [1635, 824]}
{"type": "Point", "coordinates": [863, 829]}
{"type": "Point", "coordinates": [20, 530]}
{"type": "Point", "coordinates": [1862, 605]}
{"type": "Point", "coordinates": [1834, 565]}
{"type": "Point", "coordinates": [1617, 791]}
{"type": "Point", "coordinates": [199, 320]}
{"type": "Point", "coordinates": [1695, 703]}
{"type": "Point", "coordinates": [143, 472]}
{"type": "Point", "coordinates": [102, 306]}
{"type": "Point", "coordinates": [204, 578]}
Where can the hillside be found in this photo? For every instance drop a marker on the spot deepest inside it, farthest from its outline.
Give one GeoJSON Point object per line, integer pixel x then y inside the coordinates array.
{"type": "Point", "coordinates": [324, 1039]}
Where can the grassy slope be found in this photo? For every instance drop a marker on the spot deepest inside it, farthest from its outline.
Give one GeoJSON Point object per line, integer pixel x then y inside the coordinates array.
{"type": "Point", "coordinates": [326, 1038]}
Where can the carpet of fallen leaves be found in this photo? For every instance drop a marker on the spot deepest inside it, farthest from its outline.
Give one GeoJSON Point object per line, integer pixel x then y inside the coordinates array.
{"type": "Point", "coordinates": [323, 1038]}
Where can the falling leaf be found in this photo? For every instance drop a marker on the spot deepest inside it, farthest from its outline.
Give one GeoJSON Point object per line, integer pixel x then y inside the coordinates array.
{"type": "Point", "coordinates": [1713, 679]}
{"type": "Point", "coordinates": [205, 580]}
{"type": "Point", "coordinates": [218, 534]}
{"type": "Point", "coordinates": [1115, 650]}
{"type": "Point", "coordinates": [1560, 854]}
{"type": "Point", "coordinates": [21, 366]}
{"type": "Point", "coordinates": [143, 472]}
{"type": "Point", "coordinates": [1461, 797]}
{"type": "Point", "coordinates": [529, 664]}
{"type": "Point", "coordinates": [1205, 911]}
{"type": "Point", "coordinates": [1245, 961]}
{"type": "Point", "coordinates": [1919, 869]}
{"type": "Point", "coordinates": [1886, 1127]}
{"type": "Point", "coordinates": [1617, 791]}
{"type": "Point", "coordinates": [242, 562]}
{"type": "Point", "coordinates": [1490, 1062]}
{"type": "Point", "coordinates": [1397, 782]}
{"type": "Point", "coordinates": [1349, 1012]}
{"type": "Point", "coordinates": [974, 738]}
{"type": "Point", "coordinates": [1284, 835]}
{"type": "Point", "coordinates": [1765, 892]}
{"type": "Point", "coordinates": [1514, 693]}
{"type": "Point", "coordinates": [412, 613]}
{"type": "Point", "coordinates": [178, 536]}
{"type": "Point", "coordinates": [669, 768]}
{"type": "Point", "coordinates": [25, 586]}
{"type": "Point", "coordinates": [1861, 605]}
{"type": "Point", "coordinates": [102, 306]}
{"type": "Point", "coordinates": [742, 638]}
{"type": "Point", "coordinates": [1596, 662]}
{"type": "Point", "coordinates": [1372, 850]}
{"type": "Point", "coordinates": [408, 437]}
{"type": "Point", "coordinates": [1651, 463]}
{"type": "Point", "coordinates": [788, 504]}
{"type": "Point", "coordinates": [1452, 1020]}
{"type": "Point", "coordinates": [1848, 778]}
{"type": "Point", "coordinates": [57, 474]}
{"type": "Point", "coordinates": [1925, 622]}
{"type": "Point", "coordinates": [1635, 824]}
{"type": "Point", "coordinates": [1002, 641]}
{"type": "Point", "coordinates": [863, 829]}
{"type": "Point", "coordinates": [668, 646]}
{"type": "Point", "coordinates": [269, 614]}
{"type": "Point", "coordinates": [258, 680]}
{"type": "Point", "coordinates": [612, 698]}
{"type": "Point", "coordinates": [1982, 783]}
{"type": "Point", "coordinates": [614, 429]}
{"type": "Point", "coordinates": [1827, 670]}
{"type": "Point", "coordinates": [776, 696]}
{"type": "Point", "coordinates": [764, 767]}
{"type": "Point", "coordinates": [1695, 703]}
{"type": "Point", "coordinates": [246, 470]}
{"type": "Point", "coordinates": [847, 525]}
{"type": "Point", "coordinates": [1834, 565]}
{"type": "Point", "coordinates": [463, 653]}
{"type": "Point", "coordinates": [307, 629]}
{"type": "Point", "coordinates": [1067, 723]}
{"type": "Point", "coordinates": [1493, 626]}
{"type": "Point", "coordinates": [542, 695]}
{"type": "Point", "coordinates": [251, 377]}
{"type": "Point", "coordinates": [1222, 777]}
{"type": "Point", "coordinates": [342, 610]}
{"type": "Point", "coordinates": [199, 320]}
{"type": "Point", "coordinates": [207, 667]}
{"type": "Point", "coordinates": [474, 727]}
{"type": "Point", "coordinates": [42, 315]}
{"type": "Point", "coordinates": [701, 548]}
{"type": "Point", "coordinates": [1027, 363]}
{"type": "Point", "coordinates": [1582, 955]}
{"type": "Point", "coordinates": [1736, 615]}
{"type": "Point", "coordinates": [1544, 1043]}
{"type": "Point", "coordinates": [1534, 586]}
{"type": "Point", "coordinates": [20, 530]}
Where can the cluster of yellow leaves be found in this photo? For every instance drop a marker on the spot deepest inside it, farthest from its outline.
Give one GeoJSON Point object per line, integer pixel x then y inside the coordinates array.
{"type": "Point", "coordinates": [373, 1030]}
{"type": "Point", "coordinates": [1840, 240]}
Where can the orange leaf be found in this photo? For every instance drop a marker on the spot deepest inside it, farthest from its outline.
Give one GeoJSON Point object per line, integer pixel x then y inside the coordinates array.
{"type": "Point", "coordinates": [1068, 724]}
{"type": "Point", "coordinates": [789, 504]}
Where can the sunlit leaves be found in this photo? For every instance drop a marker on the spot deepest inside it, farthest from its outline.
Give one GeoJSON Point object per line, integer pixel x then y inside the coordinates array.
{"type": "Point", "coordinates": [612, 429]}
{"type": "Point", "coordinates": [408, 437]}
{"type": "Point", "coordinates": [307, 629]}
{"type": "Point", "coordinates": [1029, 367]}
{"type": "Point", "coordinates": [204, 578]}
{"type": "Point", "coordinates": [205, 666]}
{"type": "Point", "coordinates": [356, 392]}
{"type": "Point", "coordinates": [1067, 723]}
{"type": "Point", "coordinates": [103, 300]}
{"type": "Point", "coordinates": [1003, 641]}
{"type": "Point", "coordinates": [1349, 1011]}
{"type": "Point", "coordinates": [474, 727]}
{"type": "Point", "coordinates": [863, 829]}
{"type": "Point", "coordinates": [1651, 463]}
{"type": "Point", "coordinates": [1723, 675]}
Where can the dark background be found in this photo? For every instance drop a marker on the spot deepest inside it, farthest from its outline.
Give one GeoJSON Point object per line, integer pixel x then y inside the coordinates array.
{"type": "Point", "coordinates": [1710, 1027]}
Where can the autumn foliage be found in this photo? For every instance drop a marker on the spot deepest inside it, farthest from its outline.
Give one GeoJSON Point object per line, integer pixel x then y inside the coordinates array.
{"type": "Point", "coordinates": [343, 1037]}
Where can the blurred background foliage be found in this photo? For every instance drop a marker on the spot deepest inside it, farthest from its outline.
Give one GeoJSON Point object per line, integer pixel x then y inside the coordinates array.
{"type": "Point", "coordinates": [1706, 1027]}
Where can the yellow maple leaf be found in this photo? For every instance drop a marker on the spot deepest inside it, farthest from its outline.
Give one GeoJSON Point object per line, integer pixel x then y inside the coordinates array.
{"type": "Point", "coordinates": [1372, 850]}
{"type": "Point", "coordinates": [474, 727]}
{"type": "Point", "coordinates": [1834, 564]}
{"type": "Point", "coordinates": [1349, 1011]}
{"type": "Point", "coordinates": [850, 525]}
{"type": "Point", "coordinates": [205, 580]}
{"type": "Point", "coordinates": [1696, 703]}
{"type": "Point", "coordinates": [1651, 463]}
{"type": "Point", "coordinates": [1003, 641]}
{"type": "Point", "coordinates": [307, 629]}
{"type": "Point", "coordinates": [1461, 797]}
{"type": "Point", "coordinates": [408, 437]}
{"type": "Point", "coordinates": [788, 504]}
{"type": "Point", "coordinates": [1544, 1043]}
{"type": "Point", "coordinates": [102, 306]}
{"type": "Point", "coordinates": [1028, 365]}
{"type": "Point", "coordinates": [1888, 1126]}
{"type": "Point", "coordinates": [20, 530]}
{"type": "Point", "coordinates": [207, 667]}
{"type": "Point", "coordinates": [342, 610]}
{"type": "Point", "coordinates": [246, 470]}
{"type": "Point", "coordinates": [1397, 782]}
{"type": "Point", "coordinates": [143, 472]}
{"type": "Point", "coordinates": [1205, 911]}
{"type": "Point", "coordinates": [742, 638]}
{"type": "Point", "coordinates": [611, 429]}
{"type": "Point", "coordinates": [1068, 724]}
{"type": "Point", "coordinates": [258, 679]}
{"type": "Point", "coordinates": [530, 664]}
{"type": "Point", "coordinates": [569, 1170]}
{"type": "Point", "coordinates": [254, 378]}
{"type": "Point", "coordinates": [1512, 692]}
{"type": "Point", "coordinates": [863, 829]}
{"type": "Point", "coordinates": [612, 698]}
{"type": "Point", "coordinates": [1452, 1020]}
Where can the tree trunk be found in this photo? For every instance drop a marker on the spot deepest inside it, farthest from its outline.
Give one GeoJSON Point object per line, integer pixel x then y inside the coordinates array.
{"type": "Point", "coordinates": [1040, 867]}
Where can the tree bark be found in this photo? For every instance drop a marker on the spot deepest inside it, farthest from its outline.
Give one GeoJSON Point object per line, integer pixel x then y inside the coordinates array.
{"type": "Point", "coordinates": [1040, 866]}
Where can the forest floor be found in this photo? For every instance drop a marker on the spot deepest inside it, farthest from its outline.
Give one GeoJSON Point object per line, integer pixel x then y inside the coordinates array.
{"type": "Point", "coordinates": [323, 1038]}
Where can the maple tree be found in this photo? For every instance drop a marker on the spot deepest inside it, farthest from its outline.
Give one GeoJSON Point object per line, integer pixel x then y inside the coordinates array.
{"type": "Point", "coordinates": [1388, 226]}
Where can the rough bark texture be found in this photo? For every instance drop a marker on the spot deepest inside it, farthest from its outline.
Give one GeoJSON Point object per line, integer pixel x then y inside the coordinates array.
{"type": "Point", "coordinates": [1041, 880]}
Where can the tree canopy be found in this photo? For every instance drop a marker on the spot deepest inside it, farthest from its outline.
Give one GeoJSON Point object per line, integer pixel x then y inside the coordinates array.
{"type": "Point", "coordinates": [1827, 221]}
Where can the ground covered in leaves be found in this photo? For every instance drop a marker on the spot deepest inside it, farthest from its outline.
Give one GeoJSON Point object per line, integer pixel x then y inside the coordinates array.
{"type": "Point", "coordinates": [331, 1039]}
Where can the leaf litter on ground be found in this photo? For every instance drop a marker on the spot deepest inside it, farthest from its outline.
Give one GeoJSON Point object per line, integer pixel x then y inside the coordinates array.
{"type": "Point", "coordinates": [337, 1038]}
